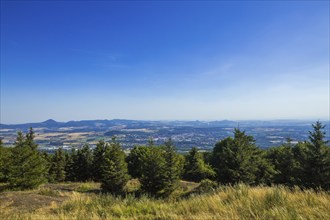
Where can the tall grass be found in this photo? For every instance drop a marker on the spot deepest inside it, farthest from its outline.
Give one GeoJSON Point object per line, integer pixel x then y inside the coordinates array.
{"type": "Point", "coordinates": [231, 202]}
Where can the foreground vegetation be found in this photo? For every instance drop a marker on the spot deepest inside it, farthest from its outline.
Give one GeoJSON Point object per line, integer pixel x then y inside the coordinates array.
{"type": "Point", "coordinates": [83, 201]}
{"type": "Point", "coordinates": [236, 180]}
{"type": "Point", "coordinates": [159, 168]}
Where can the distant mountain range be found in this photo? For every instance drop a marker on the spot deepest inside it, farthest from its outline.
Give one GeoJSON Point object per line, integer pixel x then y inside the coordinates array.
{"type": "Point", "coordinates": [101, 124]}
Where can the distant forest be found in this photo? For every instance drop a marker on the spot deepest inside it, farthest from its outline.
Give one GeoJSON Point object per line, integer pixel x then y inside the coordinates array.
{"type": "Point", "coordinates": [159, 168]}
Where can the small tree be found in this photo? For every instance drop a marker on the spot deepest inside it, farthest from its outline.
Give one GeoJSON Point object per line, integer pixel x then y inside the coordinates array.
{"type": "Point", "coordinates": [5, 155]}
{"type": "Point", "coordinates": [57, 168]}
{"type": "Point", "coordinates": [48, 163]}
{"type": "Point", "coordinates": [161, 169]}
{"type": "Point", "coordinates": [2, 161]}
{"type": "Point", "coordinates": [314, 159]}
{"type": "Point", "coordinates": [114, 169]}
{"type": "Point", "coordinates": [285, 164]}
{"type": "Point", "coordinates": [69, 169]}
{"type": "Point", "coordinates": [195, 168]}
{"type": "Point", "coordinates": [172, 168]}
{"type": "Point", "coordinates": [98, 159]}
{"type": "Point", "coordinates": [154, 174]}
{"type": "Point", "coordinates": [82, 164]}
{"type": "Point", "coordinates": [27, 168]}
{"type": "Point", "coordinates": [238, 159]}
{"type": "Point", "coordinates": [29, 140]}
{"type": "Point", "coordinates": [135, 161]}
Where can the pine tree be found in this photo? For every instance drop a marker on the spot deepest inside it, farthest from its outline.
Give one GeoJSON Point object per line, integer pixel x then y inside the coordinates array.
{"type": "Point", "coordinates": [98, 159]}
{"type": "Point", "coordinates": [135, 160]}
{"type": "Point", "coordinates": [285, 163]}
{"type": "Point", "coordinates": [48, 163]}
{"type": "Point", "coordinates": [69, 169]}
{"type": "Point", "coordinates": [27, 167]}
{"type": "Point", "coordinates": [238, 159]}
{"type": "Point", "coordinates": [5, 154]}
{"type": "Point", "coordinates": [317, 137]}
{"type": "Point", "coordinates": [173, 168]}
{"type": "Point", "coordinates": [2, 161]}
{"type": "Point", "coordinates": [82, 164]}
{"type": "Point", "coordinates": [314, 159]}
{"type": "Point", "coordinates": [114, 169]}
{"type": "Point", "coordinates": [20, 140]}
{"type": "Point", "coordinates": [195, 168]}
{"type": "Point", "coordinates": [29, 140]}
{"type": "Point", "coordinates": [57, 168]}
{"type": "Point", "coordinates": [265, 169]}
{"type": "Point", "coordinates": [154, 175]}
{"type": "Point", "coordinates": [161, 169]}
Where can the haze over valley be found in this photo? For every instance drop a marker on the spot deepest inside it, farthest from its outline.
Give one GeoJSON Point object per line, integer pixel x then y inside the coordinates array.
{"type": "Point", "coordinates": [51, 135]}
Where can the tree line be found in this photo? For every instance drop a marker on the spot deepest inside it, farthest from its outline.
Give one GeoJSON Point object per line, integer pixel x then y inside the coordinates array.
{"type": "Point", "coordinates": [159, 168]}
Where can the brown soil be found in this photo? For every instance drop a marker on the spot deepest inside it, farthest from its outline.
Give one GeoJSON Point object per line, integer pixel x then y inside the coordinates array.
{"type": "Point", "coordinates": [28, 201]}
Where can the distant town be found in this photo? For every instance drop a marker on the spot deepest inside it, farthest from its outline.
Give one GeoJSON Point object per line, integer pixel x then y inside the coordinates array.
{"type": "Point", "coordinates": [51, 134]}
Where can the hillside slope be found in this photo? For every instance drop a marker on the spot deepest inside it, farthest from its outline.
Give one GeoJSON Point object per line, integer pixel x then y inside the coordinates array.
{"type": "Point", "coordinates": [83, 201]}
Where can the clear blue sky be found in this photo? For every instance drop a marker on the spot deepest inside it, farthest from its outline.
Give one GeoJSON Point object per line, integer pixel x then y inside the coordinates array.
{"type": "Point", "coordinates": [164, 60]}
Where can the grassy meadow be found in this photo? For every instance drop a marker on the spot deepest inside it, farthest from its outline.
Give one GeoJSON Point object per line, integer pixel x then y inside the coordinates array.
{"type": "Point", "coordinates": [85, 201]}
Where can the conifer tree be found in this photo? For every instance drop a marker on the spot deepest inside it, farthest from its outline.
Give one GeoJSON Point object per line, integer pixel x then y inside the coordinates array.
{"type": "Point", "coordinates": [314, 159]}
{"type": "Point", "coordinates": [135, 160]}
{"type": "Point", "coordinates": [57, 168]}
{"type": "Point", "coordinates": [98, 159]}
{"type": "Point", "coordinates": [27, 168]}
{"type": "Point", "coordinates": [2, 162]}
{"type": "Point", "coordinates": [82, 164]}
{"type": "Point", "coordinates": [48, 162]}
{"type": "Point", "coordinates": [161, 169]}
{"type": "Point", "coordinates": [29, 140]}
{"type": "Point", "coordinates": [114, 169]}
{"type": "Point", "coordinates": [5, 154]}
{"type": "Point", "coordinates": [195, 168]}
{"type": "Point", "coordinates": [285, 164]}
{"type": "Point", "coordinates": [172, 168]}
{"type": "Point", "coordinates": [20, 140]}
{"type": "Point", "coordinates": [238, 159]}
{"type": "Point", "coordinates": [317, 137]}
{"type": "Point", "coordinates": [69, 169]}
{"type": "Point", "coordinates": [154, 175]}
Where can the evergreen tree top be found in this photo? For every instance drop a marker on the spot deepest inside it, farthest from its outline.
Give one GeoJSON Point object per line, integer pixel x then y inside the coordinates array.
{"type": "Point", "coordinates": [318, 135]}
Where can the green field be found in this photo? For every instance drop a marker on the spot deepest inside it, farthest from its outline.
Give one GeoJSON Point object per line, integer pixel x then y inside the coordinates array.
{"type": "Point", "coordinates": [85, 201]}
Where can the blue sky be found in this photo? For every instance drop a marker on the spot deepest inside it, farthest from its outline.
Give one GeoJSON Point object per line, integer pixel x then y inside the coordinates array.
{"type": "Point", "coordinates": [164, 60]}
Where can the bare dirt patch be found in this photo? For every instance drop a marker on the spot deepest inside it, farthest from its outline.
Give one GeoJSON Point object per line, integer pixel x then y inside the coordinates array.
{"type": "Point", "coordinates": [28, 201]}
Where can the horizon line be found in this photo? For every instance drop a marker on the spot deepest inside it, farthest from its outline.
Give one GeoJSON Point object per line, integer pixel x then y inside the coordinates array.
{"type": "Point", "coordinates": [173, 120]}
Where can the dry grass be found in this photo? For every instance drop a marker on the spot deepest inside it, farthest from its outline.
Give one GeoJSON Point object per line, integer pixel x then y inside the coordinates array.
{"type": "Point", "coordinates": [237, 202]}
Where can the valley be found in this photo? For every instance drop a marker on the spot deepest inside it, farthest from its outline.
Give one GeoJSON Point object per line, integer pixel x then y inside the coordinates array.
{"type": "Point", "coordinates": [51, 135]}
